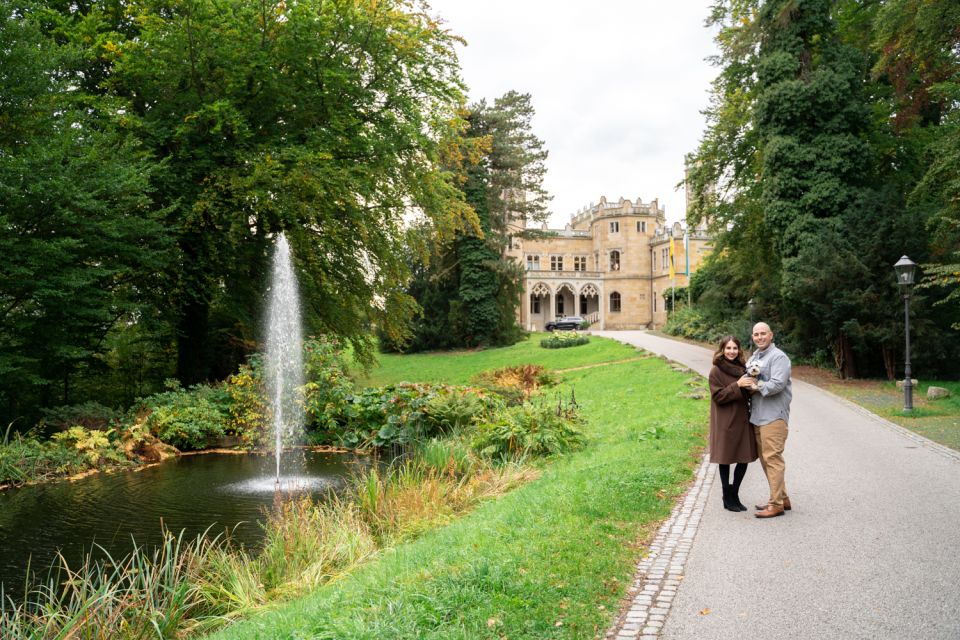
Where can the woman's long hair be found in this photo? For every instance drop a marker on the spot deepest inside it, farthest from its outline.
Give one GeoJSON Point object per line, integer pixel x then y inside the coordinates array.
{"type": "Point", "coordinates": [718, 356]}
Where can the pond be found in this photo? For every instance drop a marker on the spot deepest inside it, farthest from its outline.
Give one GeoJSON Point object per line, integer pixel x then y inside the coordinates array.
{"type": "Point", "coordinates": [190, 493]}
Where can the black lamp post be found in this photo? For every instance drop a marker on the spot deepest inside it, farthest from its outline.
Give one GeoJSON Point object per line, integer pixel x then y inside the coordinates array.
{"type": "Point", "coordinates": [753, 305]}
{"type": "Point", "coordinates": [905, 269]}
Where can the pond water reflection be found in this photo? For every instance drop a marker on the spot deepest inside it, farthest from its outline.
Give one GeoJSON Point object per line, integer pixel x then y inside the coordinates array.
{"type": "Point", "coordinates": [193, 493]}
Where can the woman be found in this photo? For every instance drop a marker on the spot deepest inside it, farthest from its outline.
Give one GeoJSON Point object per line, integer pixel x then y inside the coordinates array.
{"type": "Point", "coordinates": [731, 436]}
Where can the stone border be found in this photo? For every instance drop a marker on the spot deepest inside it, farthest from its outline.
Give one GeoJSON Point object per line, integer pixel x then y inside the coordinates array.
{"type": "Point", "coordinates": [660, 572]}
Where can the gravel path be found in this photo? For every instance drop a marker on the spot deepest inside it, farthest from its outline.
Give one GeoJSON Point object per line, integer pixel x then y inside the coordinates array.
{"type": "Point", "coordinates": [870, 550]}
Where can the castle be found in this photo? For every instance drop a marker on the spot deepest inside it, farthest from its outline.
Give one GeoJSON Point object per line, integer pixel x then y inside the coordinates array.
{"type": "Point", "coordinates": [611, 264]}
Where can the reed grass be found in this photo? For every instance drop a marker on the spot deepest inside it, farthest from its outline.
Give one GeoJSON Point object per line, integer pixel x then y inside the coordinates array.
{"type": "Point", "coordinates": [147, 594]}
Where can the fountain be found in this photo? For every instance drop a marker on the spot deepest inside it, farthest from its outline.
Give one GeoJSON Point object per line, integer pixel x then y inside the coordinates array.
{"type": "Point", "coordinates": [284, 353]}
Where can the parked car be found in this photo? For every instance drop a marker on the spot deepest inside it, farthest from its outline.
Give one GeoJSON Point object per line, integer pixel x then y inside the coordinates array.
{"type": "Point", "coordinates": [569, 322]}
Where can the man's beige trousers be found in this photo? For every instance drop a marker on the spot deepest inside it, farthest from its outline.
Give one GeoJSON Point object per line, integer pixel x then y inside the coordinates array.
{"type": "Point", "coordinates": [771, 438]}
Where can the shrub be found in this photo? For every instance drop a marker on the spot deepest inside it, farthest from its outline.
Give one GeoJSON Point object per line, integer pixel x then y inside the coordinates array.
{"type": "Point", "coordinates": [93, 444]}
{"type": "Point", "coordinates": [91, 415]}
{"type": "Point", "coordinates": [515, 384]}
{"type": "Point", "coordinates": [388, 416]}
{"type": "Point", "coordinates": [188, 419]}
{"type": "Point", "coordinates": [453, 409]}
{"type": "Point", "coordinates": [563, 339]}
{"type": "Point", "coordinates": [690, 322]}
{"type": "Point", "coordinates": [24, 459]}
{"type": "Point", "coordinates": [328, 386]}
{"type": "Point", "coordinates": [529, 430]}
{"type": "Point", "coordinates": [247, 405]}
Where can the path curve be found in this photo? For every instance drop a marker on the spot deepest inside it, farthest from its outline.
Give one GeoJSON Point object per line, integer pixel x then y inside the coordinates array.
{"type": "Point", "coordinates": [870, 550]}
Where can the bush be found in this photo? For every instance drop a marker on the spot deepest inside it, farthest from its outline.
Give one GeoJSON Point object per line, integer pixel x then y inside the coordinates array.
{"type": "Point", "coordinates": [26, 459]}
{"type": "Point", "coordinates": [529, 430]}
{"type": "Point", "coordinates": [515, 384]}
{"type": "Point", "coordinates": [91, 415]}
{"type": "Point", "coordinates": [563, 339]}
{"type": "Point", "coordinates": [689, 322]}
{"type": "Point", "coordinates": [454, 409]}
{"type": "Point", "coordinates": [328, 387]}
{"type": "Point", "coordinates": [388, 416]}
{"type": "Point", "coordinates": [247, 405]}
{"type": "Point", "coordinates": [188, 419]}
{"type": "Point", "coordinates": [93, 444]}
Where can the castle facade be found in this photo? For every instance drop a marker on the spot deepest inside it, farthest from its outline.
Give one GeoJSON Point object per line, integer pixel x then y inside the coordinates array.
{"type": "Point", "coordinates": [615, 264]}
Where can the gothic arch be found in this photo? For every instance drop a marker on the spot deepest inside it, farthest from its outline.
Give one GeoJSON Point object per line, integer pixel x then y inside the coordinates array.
{"type": "Point", "coordinates": [590, 290]}
{"type": "Point", "coordinates": [540, 289]}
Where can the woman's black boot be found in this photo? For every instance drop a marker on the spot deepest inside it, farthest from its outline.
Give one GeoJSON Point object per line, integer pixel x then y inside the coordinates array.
{"type": "Point", "coordinates": [724, 472]}
{"type": "Point", "coordinates": [734, 495]}
{"type": "Point", "coordinates": [728, 502]}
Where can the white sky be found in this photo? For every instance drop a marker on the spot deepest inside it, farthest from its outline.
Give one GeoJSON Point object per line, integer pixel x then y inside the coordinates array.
{"type": "Point", "coordinates": [618, 86]}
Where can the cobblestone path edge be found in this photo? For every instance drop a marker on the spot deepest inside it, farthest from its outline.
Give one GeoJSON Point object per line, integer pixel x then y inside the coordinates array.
{"type": "Point", "coordinates": [660, 572]}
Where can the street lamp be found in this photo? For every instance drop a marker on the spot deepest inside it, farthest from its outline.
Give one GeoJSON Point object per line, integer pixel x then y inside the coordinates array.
{"type": "Point", "coordinates": [752, 305]}
{"type": "Point", "coordinates": [905, 269]}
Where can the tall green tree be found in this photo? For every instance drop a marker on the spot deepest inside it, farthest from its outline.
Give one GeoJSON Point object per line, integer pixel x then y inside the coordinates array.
{"type": "Point", "coordinates": [319, 119]}
{"type": "Point", "coordinates": [81, 235]}
{"type": "Point", "coordinates": [470, 290]}
{"type": "Point", "coordinates": [817, 132]}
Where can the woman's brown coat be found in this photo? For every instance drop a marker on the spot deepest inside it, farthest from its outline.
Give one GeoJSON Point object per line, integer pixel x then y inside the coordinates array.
{"type": "Point", "coordinates": [731, 436]}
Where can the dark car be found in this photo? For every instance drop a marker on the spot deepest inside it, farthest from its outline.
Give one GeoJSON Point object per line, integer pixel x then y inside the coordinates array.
{"type": "Point", "coordinates": [570, 322]}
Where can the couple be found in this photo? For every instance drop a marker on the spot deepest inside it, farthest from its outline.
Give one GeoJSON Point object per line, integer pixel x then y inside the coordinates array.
{"type": "Point", "coordinates": [749, 413]}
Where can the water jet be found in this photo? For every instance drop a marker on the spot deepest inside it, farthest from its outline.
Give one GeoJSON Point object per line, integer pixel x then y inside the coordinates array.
{"type": "Point", "coordinates": [284, 351]}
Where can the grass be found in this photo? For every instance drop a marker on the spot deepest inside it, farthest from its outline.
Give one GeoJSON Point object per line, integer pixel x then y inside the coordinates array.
{"type": "Point", "coordinates": [938, 420]}
{"type": "Point", "coordinates": [459, 367]}
{"type": "Point", "coordinates": [553, 557]}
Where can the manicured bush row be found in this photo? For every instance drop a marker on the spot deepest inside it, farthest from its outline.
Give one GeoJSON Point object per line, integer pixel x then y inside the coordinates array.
{"type": "Point", "coordinates": [563, 339]}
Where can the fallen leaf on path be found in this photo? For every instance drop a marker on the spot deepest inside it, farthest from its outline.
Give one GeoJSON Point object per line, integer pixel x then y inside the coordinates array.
{"type": "Point", "coordinates": [705, 612]}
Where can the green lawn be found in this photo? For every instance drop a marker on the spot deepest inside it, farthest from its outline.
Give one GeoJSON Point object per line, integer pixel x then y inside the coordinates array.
{"type": "Point", "coordinates": [459, 366]}
{"type": "Point", "coordinates": [938, 420]}
{"type": "Point", "coordinates": [552, 558]}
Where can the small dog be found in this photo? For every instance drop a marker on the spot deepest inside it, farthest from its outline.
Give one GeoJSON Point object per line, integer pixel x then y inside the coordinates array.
{"type": "Point", "coordinates": [753, 369]}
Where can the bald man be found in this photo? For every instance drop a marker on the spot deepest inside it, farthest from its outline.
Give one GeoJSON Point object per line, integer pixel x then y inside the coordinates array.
{"type": "Point", "coordinates": [769, 414]}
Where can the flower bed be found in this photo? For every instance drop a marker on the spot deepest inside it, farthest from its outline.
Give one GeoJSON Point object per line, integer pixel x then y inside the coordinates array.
{"type": "Point", "coordinates": [563, 339]}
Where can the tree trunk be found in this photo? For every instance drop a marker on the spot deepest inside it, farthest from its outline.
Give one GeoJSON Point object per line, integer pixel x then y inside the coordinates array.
{"type": "Point", "coordinates": [889, 362]}
{"type": "Point", "coordinates": [844, 358]}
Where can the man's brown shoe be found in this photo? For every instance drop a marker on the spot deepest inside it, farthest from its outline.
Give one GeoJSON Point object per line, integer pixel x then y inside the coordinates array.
{"type": "Point", "coordinates": [786, 505]}
{"type": "Point", "coordinates": [770, 512]}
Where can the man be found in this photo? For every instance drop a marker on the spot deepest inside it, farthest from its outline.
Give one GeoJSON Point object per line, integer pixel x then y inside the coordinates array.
{"type": "Point", "coordinates": [769, 414]}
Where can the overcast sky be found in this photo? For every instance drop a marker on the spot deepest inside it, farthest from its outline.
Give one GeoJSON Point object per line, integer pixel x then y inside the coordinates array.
{"type": "Point", "coordinates": [618, 86]}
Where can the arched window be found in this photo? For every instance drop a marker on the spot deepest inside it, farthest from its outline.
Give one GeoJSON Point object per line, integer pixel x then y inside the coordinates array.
{"type": "Point", "coordinates": [615, 302]}
{"type": "Point", "coordinates": [614, 261]}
